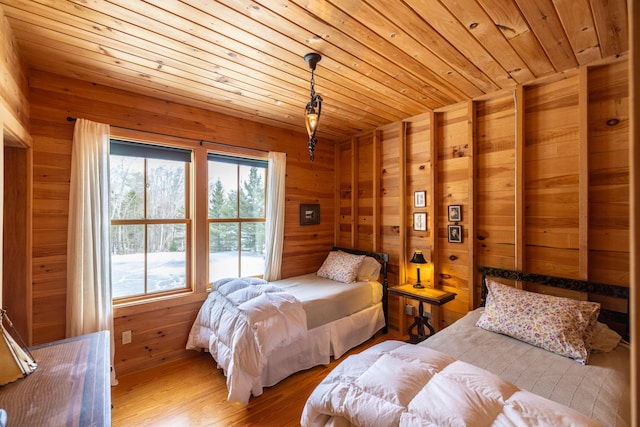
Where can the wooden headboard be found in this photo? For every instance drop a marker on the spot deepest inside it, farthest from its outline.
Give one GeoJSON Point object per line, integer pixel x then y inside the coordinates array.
{"type": "Point", "coordinates": [384, 260]}
{"type": "Point", "coordinates": [616, 316]}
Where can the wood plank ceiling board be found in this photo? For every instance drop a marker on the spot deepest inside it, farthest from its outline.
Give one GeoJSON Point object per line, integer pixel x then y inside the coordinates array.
{"type": "Point", "coordinates": [382, 61]}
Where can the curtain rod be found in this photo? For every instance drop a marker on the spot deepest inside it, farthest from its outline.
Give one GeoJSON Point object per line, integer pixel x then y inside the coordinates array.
{"type": "Point", "coordinates": [201, 141]}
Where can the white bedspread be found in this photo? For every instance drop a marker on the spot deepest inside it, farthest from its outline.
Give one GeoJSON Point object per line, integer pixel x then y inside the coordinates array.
{"type": "Point", "coordinates": [249, 319]}
{"type": "Point", "coordinates": [394, 383]}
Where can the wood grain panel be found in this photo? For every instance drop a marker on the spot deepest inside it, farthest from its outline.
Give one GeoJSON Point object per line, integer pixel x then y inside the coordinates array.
{"type": "Point", "coordinates": [363, 203]}
{"type": "Point", "coordinates": [551, 174]}
{"type": "Point", "coordinates": [495, 181]}
{"type": "Point", "coordinates": [609, 174]}
{"type": "Point", "coordinates": [455, 160]}
{"type": "Point", "coordinates": [344, 164]}
{"type": "Point", "coordinates": [16, 253]}
{"type": "Point", "coordinates": [14, 87]}
{"type": "Point", "coordinates": [418, 176]}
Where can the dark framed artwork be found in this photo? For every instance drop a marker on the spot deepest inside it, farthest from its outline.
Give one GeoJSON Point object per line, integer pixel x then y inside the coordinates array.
{"type": "Point", "coordinates": [454, 233]}
{"type": "Point", "coordinates": [420, 221]}
{"type": "Point", "coordinates": [419, 199]}
{"type": "Point", "coordinates": [309, 214]}
{"type": "Point", "coordinates": [455, 213]}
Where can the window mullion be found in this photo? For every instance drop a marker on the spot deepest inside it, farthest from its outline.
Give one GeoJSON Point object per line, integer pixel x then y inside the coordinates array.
{"type": "Point", "coordinates": [146, 229]}
{"type": "Point", "coordinates": [239, 223]}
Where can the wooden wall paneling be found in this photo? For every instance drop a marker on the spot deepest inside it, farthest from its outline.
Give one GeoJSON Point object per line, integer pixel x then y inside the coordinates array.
{"type": "Point", "coordinates": [495, 184]}
{"type": "Point", "coordinates": [363, 167]}
{"type": "Point", "coordinates": [432, 197]}
{"type": "Point", "coordinates": [418, 178]}
{"type": "Point", "coordinates": [583, 182]}
{"type": "Point", "coordinates": [343, 178]}
{"type": "Point", "coordinates": [471, 209]}
{"type": "Point", "coordinates": [454, 158]}
{"type": "Point", "coordinates": [402, 217]}
{"type": "Point", "coordinates": [353, 179]}
{"type": "Point", "coordinates": [153, 344]}
{"type": "Point", "coordinates": [16, 238]}
{"type": "Point", "coordinates": [607, 128]}
{"type": "Point", "coordinates": [391, 209]}
{"type": "Point", "coordinates": [634, 235]}
{"type": "Point", "coordinates": [520, 137]}
{"type": "Point", "coordinates": [376, 175]}
{"type": "Point", "coordinates": [551, 171]}
{"type": "Point", "coordinates": [14, 87]}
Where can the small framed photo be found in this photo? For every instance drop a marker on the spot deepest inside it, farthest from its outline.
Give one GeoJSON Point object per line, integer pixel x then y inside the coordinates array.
{"type": "Point", "coordinates": [419, 199]}
{"type": "Point", "coordinates": [420, 221]}
{"type": "Point", "coordinates": [454, 233]}
{"type": "Point", "coordinates": [309, 214]}
{"type": "Point", "coordinates": [455, 213]}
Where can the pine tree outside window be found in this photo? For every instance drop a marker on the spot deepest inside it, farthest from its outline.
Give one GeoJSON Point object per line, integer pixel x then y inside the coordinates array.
{"type": "Point", "coordinates": [237, 201]}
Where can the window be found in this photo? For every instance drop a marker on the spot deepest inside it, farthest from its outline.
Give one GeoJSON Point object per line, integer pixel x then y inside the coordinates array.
{"type": "Point", "coordinates": [237, 188]}
{"type": "Point", "coordinates": [150, 219]}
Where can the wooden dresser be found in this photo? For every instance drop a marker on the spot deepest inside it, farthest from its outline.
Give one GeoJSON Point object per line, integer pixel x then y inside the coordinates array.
{"type": "Point", "coordinates": [70, 387]}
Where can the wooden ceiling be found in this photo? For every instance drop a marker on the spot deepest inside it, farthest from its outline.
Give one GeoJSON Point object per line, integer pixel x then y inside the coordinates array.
{"type": "Point", "coordinates": [382, 60]}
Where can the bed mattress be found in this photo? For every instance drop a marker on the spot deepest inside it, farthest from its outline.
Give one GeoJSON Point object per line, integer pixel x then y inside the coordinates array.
{"type": "Point", "coordinates": [600, 389]}
{"type": "Point", "coordinates": [325, 300]}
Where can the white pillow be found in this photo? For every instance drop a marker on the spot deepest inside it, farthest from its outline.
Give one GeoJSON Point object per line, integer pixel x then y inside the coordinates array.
{"type": "Point", "coordinates": [341, 266]}
{"type": "Point", "coordinates": [369, 270]}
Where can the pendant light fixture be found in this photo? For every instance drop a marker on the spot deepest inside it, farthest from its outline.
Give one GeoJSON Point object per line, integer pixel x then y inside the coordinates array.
{"type": "Point", "coordinates": [314, 106]}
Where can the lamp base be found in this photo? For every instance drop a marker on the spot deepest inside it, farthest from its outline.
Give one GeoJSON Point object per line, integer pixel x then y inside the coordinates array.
{"type": "Point", "coordinates": [418, 286]}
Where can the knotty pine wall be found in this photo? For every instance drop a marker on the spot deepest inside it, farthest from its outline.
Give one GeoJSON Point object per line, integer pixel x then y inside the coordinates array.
{"type": "Point", "coordinates": [542, 175]}
{"type": "Point", "coordinates": [160, 329]}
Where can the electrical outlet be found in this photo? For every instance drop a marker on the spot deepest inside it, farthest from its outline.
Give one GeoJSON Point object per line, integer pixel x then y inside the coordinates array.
{"type": "Point", "coordinates": [408, 309]}
{"type": "Point", "coordinates": [126, 337]}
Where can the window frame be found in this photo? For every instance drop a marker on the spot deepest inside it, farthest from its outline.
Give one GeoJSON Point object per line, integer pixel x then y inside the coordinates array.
{"type": "Point", "coordinates": [238, 160]}
{"type": "Point", "coordinates": [187, 221]}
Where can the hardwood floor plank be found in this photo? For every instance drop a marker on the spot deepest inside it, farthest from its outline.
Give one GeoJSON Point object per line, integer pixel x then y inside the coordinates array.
{"type": "Point", "coordinates": [193, 392]}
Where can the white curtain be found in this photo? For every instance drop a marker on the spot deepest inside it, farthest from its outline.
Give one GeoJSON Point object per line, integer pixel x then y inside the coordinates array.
{"type": "Point", "coordinates": [89, 306]}
{"type": "Point", "coordinates": [275, 215]}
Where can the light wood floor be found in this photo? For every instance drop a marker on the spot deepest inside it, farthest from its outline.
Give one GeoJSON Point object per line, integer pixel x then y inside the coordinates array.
{"type": "Point", "coordinates": [192, 392]}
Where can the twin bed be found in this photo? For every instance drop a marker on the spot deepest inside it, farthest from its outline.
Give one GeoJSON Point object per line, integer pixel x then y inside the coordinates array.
{"type": "Point", "coordinates": [260, 333]}
{"type": "Point", "coordinates": [524, 358]}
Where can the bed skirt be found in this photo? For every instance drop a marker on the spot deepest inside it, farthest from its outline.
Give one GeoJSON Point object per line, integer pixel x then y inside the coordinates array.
{"type": "Point", "coordinates": [319, 344]}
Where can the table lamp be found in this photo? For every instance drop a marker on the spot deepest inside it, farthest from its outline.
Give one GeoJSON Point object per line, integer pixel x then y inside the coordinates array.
{"type": "Point", "coordinates": [418, 258]}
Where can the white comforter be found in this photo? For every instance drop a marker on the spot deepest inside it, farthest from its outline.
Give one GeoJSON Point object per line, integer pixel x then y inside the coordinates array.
{"type": "Point", "coordinates": [241, 322]}
{"type": "Point", "coordinates": [394, 383]}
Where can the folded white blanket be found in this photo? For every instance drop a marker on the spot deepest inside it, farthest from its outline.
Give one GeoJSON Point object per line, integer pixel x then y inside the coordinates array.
{"type": "Point", "coordinates": [241, 322]}
{"type": "Point", "coordinates": [394, 383]}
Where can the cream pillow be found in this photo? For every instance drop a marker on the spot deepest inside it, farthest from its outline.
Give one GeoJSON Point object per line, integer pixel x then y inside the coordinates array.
{"type": "Point", "coordinates": [341, 266]}
{"type": "Point", "coordinates": [560, 325]}
{"type": "Point", "coordinates": [369, 269]}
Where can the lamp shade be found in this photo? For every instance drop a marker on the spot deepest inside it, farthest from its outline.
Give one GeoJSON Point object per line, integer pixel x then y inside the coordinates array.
{"type": "Point", "coordinates": [418, 258]}
{"type": "Point", "coordinates": [311, 120]}
{"type": "Point", "coordinates": [16, 362]}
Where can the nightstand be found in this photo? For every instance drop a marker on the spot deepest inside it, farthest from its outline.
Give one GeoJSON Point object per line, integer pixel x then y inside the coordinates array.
{"type": "Point", "coordinates": [434, 297]}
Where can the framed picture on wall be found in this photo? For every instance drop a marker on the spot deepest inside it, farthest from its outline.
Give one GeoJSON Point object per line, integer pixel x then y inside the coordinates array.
{"type": "Point", "coordinates": [420, 221]}
{"type": "Point", "coordinates": [454, 234]}
{"type": "Point", "coordinates": [419, 199]}
{"type": "Point", "coordinates": [455, 213]}
{"type": "Point", "coordinates": [309, 214]}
